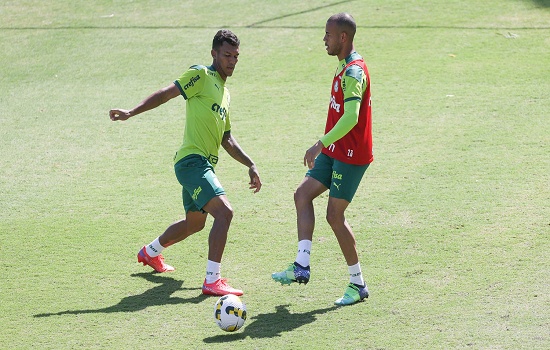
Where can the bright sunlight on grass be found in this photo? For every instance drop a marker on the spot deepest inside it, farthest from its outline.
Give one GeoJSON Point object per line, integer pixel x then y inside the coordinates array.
{"type": "Point", "coordinates": [452, 218]}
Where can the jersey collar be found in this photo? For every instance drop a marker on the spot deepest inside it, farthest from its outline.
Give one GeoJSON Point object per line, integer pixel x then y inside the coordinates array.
{"type": "Point", "coordinates": [213, 69]}
{"type": "Point", "coordinates": [352, 56]}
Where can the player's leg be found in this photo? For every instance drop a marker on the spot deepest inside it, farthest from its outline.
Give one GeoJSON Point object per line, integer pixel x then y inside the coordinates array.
{"type": "Point", "coordinates": [309, 189]}
{"type": "Point", "coordinates": [178, 231]}
{"type": "Point", "coordinates": [220, 208]}
{"type": "Point", "coordinates": [357, 288]}
{"type": "Point", "coordinates": [196, 174]}
{"type": "Point", "coordinates": [345, 182]}
{"type": "Point", "coordinates": [342, 230]}
{"type": "Point", "coordinates": [316, 182]}
{"type": "Point", "coordinates": [151, 254]}
{"type": "Point", "coordinates": [188, 172]}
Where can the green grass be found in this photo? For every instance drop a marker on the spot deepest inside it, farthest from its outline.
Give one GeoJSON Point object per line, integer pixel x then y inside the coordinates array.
{"type": "Point", "coordinates": [452, 218]}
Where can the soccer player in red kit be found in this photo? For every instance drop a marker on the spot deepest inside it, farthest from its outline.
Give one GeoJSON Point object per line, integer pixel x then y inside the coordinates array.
{"type": "Point", "coordinates": [338, 161]}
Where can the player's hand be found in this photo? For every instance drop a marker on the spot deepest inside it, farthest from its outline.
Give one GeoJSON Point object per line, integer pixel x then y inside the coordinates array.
{"type": "Point", "coordinates": [312, 153]}
{"type": "Point", "coordinates": [255, 182]}
{"type": "Point", "coordinates": [119, 114]}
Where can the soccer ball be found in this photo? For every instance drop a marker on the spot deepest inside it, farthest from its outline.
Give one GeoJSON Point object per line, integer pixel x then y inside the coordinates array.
{"type": "Point", "coordinates": [229, 313]}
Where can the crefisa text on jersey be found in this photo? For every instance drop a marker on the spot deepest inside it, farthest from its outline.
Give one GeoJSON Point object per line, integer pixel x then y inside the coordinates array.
{"type": "Point", "coordinates": [217, 108]}
{"type": "Point", "coordinates": [191, 82]}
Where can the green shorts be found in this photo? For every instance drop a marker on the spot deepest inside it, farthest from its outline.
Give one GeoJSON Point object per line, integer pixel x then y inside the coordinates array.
{"type": "Point", "coordinates": [200, 184]}
{"type": "Point", "coordinates": [342, 179]}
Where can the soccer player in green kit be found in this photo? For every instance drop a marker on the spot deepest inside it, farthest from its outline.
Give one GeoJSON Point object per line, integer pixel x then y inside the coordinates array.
{"type": "Point", "coordinates": [338, 161]}
{"type": "Point", "coordinates": [207, 126]}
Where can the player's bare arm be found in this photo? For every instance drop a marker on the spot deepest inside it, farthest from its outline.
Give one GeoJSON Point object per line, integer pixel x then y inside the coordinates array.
{"type": "Point", "coordinates": [233, 148]}
{"type": "Point", "coordinates": [153, 101]}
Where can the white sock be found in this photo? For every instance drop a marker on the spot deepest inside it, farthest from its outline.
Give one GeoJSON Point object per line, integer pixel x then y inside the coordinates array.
{"type": "Point", "coordinates": [212, 271]}
{"type": "Point", "coordinates": [355, 275]}
{"type": "Point", "coordinates": [154, 248]}
{"type": "Point", "coordinates": [304, 251]}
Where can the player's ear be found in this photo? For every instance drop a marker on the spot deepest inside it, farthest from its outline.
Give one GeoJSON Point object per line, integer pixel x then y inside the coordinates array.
{"type": "Point", "coordinates": [343, 37]}
{"type": "Point", "coordinates": [213, 53]}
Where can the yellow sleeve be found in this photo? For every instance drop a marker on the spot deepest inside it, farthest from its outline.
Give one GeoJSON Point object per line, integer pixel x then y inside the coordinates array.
{"type": "Point", "coordinates": [345, 124]}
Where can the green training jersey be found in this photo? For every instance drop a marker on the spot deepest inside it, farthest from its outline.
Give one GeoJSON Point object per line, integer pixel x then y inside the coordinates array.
{"type": "Point", "coordinates": [207, 112]}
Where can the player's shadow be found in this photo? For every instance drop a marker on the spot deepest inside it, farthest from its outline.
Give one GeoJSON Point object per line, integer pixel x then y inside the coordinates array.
{"type": "Point", "coordinates": [156, 296]}
{"type": "Point", "coordinates": [272, 324]}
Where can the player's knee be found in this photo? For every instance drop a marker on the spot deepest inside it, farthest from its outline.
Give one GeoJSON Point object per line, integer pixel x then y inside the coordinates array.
{"type": "Point", "coordinates": [197, 227]}
{"type": "Point", "coordinates": [225, 213]}
{"type": "Point", "coordinates": [220, 209]}
{"type": "Point", "coordinates": [296, 197]}
{"type": "Point", "coordinates": [229, 214]}
{"type": "Point", "coordinates": [334, 218]}
{"type": "Point", "coordinates": [300, 198]}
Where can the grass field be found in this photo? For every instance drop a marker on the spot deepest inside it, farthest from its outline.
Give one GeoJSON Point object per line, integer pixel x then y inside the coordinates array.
{"type": "Point", "coordinates": [452, 218]}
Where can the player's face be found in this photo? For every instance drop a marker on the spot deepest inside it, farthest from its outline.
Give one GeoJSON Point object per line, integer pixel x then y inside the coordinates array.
{"type": "Point", "coordinates": [332, 39]}
{"type": "Point", "coordinates": [225, 59]}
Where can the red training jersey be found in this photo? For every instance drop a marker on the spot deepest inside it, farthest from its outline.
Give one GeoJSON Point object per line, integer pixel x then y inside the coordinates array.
{"type": "Point", "coordinates": [356, 146]}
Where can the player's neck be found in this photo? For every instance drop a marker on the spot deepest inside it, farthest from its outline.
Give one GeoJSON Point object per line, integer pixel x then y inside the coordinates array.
{"type": "Point", "coordinates": [220, 73]}
{"type": "Point", "coordinates": [345, 53]}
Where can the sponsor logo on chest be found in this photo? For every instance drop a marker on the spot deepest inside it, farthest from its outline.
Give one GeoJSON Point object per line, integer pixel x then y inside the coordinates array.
{"type": "Point", "coordinates": [334, 105]}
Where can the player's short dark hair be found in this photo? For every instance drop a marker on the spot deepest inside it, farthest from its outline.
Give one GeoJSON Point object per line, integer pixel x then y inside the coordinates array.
{"type": "Point", "coordinates": [344, 21]}
{"type": "Point", "coordinates": [224, 35]}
